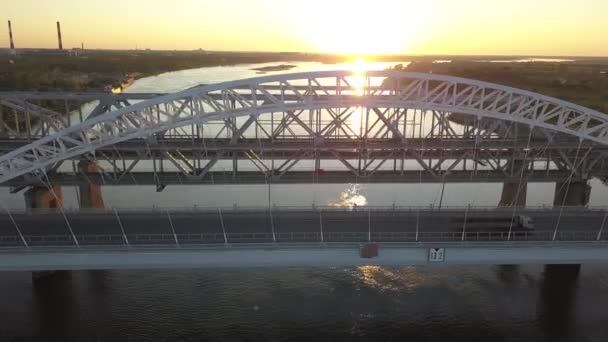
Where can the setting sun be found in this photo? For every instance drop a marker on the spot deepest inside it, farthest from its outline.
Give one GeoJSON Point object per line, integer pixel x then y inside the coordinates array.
{"type": "Point", "coordinates": [365, 28]}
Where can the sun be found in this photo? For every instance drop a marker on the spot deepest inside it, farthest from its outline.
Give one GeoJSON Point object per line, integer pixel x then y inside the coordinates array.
{"type": "Point", "coordinates": [363, 27]}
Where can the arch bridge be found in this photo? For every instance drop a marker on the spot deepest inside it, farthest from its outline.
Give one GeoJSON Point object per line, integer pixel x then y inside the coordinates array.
{"type": "Point", "coordinates": [318, 127]}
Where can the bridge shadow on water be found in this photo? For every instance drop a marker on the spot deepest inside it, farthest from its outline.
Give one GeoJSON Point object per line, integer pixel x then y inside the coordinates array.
{"type": "Point", "coordinates": [557, 291]}
{"type": "Point", "coordinates": [355, 304]}
{"type": "Point", "coordinates": [70, 303]}
{"type": "Point", "coordinates": [557, 299]}
{"type": "Point", "coordinates": [54, 301]}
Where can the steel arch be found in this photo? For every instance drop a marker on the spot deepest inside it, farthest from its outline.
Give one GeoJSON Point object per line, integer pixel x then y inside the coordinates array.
{"type": "Point", "coordinates": [307, 91]}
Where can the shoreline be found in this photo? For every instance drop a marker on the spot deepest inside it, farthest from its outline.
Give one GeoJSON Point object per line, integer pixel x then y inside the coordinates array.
{"type": "Point", "coordinates": [104, 71]}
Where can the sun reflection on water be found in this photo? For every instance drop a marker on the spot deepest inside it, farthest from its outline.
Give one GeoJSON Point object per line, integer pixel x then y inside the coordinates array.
{"type": "Point", "coordinates": [358, 80]}
{"type": "Point", "coordinates": [351, 197]}
{"type": "Point", "coordinates": [385, 279]}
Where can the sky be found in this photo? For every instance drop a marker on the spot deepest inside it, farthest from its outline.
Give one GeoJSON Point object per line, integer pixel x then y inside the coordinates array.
{"type": "Point", "coordinates": [450, 27]}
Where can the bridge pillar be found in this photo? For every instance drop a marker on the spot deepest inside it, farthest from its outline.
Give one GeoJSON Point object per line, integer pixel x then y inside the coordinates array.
{"type": "Point", "coordinates": [90, 194]}
{"type": "Point", "coordinates": [513, 194]}
{"type": "Point", "coordinates": [41, 197]}
{"type": "Point", "coordinates": [575, 193]}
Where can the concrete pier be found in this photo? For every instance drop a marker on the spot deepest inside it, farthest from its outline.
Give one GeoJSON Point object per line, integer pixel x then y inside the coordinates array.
{"type": "Point", "coordinates": [42, 197]}
{"type": "Point", "coordinates": [513, 194]}
{"type": "Point", "coordinates": [572, 194]}
{"type": "Point", "coordinates": [90, 194]}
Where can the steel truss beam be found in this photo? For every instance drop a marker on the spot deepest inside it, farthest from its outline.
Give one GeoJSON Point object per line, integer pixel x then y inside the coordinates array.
{"type": "Point", "coordinates": [166, 178]}
{"type": "Point", "coordinates": [323, 106]}
{"type": "Point", "coordinates": [187, 162]}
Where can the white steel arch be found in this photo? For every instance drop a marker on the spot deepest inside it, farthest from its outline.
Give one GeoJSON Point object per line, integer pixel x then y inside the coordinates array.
{"type": "Point", "coordinates": [304, 91]}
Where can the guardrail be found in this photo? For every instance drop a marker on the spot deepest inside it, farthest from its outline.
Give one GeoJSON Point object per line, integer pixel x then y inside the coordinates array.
{"type": "Point", "coordinates": [316, 208]}
{"type": "Point", "coordinates": [176, 240]}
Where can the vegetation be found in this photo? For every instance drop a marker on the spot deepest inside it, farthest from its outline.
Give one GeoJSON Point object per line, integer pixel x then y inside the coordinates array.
{"type": "Point", "coordinates": [98, 70]}
{"type": "Point", "coordinates": [584, 82]}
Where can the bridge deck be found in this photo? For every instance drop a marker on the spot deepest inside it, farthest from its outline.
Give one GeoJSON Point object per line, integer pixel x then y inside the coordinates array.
{"type": "Point", "coordinates": [199, 226]}
{"type": "Point", "coordinates": [302, 255]}
{"type": "Point", "coordinates": [240, 237]}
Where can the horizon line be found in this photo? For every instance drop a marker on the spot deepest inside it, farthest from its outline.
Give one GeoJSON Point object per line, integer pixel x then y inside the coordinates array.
{"type": "Point", "coordinates": [305, 52]}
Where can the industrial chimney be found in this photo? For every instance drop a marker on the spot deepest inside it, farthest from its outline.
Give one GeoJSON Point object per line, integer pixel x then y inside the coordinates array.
{"type": "Point", "coordinates": [10, 35]}
{"type": "Point", "coordinates": [59, 36]}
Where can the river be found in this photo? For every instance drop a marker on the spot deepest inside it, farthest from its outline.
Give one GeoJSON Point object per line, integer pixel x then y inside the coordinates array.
{"type": "Point", "coordinates": [499, 303]}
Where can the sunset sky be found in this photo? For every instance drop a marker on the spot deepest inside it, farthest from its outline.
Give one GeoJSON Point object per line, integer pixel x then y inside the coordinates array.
{"type": "Point", "coordinates": [524, 27]}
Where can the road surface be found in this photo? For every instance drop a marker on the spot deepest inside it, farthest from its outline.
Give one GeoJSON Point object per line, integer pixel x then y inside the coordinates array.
{"type": "Point", "coordinates": [215, 226]}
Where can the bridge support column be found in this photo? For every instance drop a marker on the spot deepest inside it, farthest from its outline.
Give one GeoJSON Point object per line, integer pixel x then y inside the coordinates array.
{"type": "Point", "coordinates": [513, 195]}
{"type": "Point", "coordinates": [41, 197]}
{"type": "Point", "coordinates": [572, 194]}
{"type": "Point", "coordinates": [90, 194]}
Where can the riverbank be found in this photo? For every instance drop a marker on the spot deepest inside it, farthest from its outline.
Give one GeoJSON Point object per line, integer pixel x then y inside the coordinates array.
{"type": "Point", "coordinates": [107, 70]}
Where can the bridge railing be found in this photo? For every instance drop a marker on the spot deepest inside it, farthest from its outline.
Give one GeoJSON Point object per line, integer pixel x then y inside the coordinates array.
{"type": "Point", "coordinates": [325, 208]}
{"type": "Point", "coordinates": [193, 239]}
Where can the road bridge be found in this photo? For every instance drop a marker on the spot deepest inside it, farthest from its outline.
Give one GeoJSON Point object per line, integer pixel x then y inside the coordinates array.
{"type": "Point", "coordinates": [316, 236]}
{"type": "Point", "coordinates": [200, 226]}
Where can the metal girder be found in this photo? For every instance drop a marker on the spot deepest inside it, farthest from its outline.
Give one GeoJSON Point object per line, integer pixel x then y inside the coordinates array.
{"type": "Point", "coordinates": [35, 115]}
{"type": "Point", "coordinates": [437, 162]}
{"type": "Point", "coordinates": [19, 118]}
{"type": "Point", "coordinates": [300, 177]}
{"type": "Point", "coordinates": [336, 99]}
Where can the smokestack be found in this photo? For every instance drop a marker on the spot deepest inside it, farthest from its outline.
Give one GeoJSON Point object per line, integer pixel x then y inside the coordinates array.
{"type": "Point", "coordinates": [10, 35]}
{"type": "Point", "coordinates": [59, 36]}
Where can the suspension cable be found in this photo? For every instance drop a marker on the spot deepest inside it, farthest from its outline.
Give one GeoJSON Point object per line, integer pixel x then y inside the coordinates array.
{"type": "Point", "coordinates": [59, 205]}
{"type": "Point", "coordinates": [524, 166]}
{"type": "Point", "coordinates": [575, 166]}
{"type": "Point", "coordinates": [10, 215]}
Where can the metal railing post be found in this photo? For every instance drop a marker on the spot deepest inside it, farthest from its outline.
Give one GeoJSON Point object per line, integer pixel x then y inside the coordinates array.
{"type": "Point", "coordinates": [219, 210]}
{"type": "Point", "coordinates": [321, 224]}
{"type": "Point", "coordinates": [369, 224]}
{"type": "Point", "coordinates": [599, 234]}
{"type": "Point", "coordinates": [464, 224]}
{"type": "Point", "coordinates": [274, 238]}
{"type": "Point", "coordinates": [417, 223]}
{"type": "Point", "coordinates": [172, 227]}
{"type": "Point", "coordinates": [122, 229]}
{"type": "Point", "coordinates": [16, 227]}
